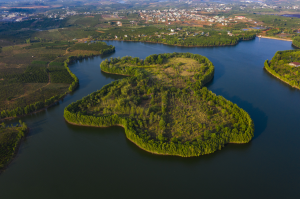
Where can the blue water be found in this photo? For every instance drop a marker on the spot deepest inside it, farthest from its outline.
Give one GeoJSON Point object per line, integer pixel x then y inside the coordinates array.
{"type": "Point", "coordinates": [59, 160]}
{"type": "Point", "coordinates": [292, 15]}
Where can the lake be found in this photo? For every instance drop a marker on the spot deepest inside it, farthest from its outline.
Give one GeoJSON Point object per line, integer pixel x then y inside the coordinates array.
{"type": "Point", "coordinates": [59, 160]}
{"type": "Point", "coordinates": [291, 15]}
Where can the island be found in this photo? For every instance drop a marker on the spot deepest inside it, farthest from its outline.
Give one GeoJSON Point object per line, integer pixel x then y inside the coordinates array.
{"type": "Point", "coordinates": [164, 107]}
{"type": "Point", "coordinates": [10, 139]}
{"type": "Point", "coordinates": [285, 66]}
{"type": "Point", "coordinates": [36, 75]}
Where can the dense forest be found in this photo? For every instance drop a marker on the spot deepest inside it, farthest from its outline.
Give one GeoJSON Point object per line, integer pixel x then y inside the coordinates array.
{"type": "Point", "coordinates": [178, 37]}
{"type": "Point", "coordinates": [164, 107]}
{"type": "Point", "coordinates": [102, 47]}
{"type": "Point", "coordinates": [10, 137]}
{"type": "Point", "coordinates": [280, 68]}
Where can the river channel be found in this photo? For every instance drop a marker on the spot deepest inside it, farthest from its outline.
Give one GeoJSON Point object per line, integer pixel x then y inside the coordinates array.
{"type": "Point", "coordinates": [58, 160]}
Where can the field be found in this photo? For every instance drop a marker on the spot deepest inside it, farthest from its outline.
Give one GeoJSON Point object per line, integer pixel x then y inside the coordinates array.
{"type": "Point", "coordinates": [25, 76]}
{"type": "Point", "coordinates": [35, 72]}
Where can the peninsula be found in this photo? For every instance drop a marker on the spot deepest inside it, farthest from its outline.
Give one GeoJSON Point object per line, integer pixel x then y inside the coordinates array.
{"type": "Point", "coordinates": [10, 139]}
{"type": "Point", "coordinates": [285, 66]}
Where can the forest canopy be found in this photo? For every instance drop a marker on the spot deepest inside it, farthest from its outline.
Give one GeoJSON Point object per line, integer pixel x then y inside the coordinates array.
{"type": "Point", "coordinates": [164, 107]}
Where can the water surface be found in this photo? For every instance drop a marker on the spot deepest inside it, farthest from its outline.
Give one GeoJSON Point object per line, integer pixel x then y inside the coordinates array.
{"type": "Point", "coordinates": [60, 161]}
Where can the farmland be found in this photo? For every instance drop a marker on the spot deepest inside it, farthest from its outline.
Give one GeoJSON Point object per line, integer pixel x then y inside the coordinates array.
{"type": "Point", "coordinates": [36, 72]}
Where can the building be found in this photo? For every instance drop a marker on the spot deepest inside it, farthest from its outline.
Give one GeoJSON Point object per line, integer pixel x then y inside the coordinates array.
{"type": "Point", "coordinates": [294, 64]}
{"type": "Point", "coordinates": [240, 17]}
{"type": "Point", "coordinates": [119, 23]}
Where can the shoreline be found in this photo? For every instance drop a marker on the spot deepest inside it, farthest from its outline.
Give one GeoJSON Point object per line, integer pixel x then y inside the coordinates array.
{"type": "Point", "coordinates": [126, 137]}
{"type": "Point", "coordinates": [15, 152]}
{"type": "Point", "coordinates": [180, 45]}
{"type": "Point", "coordinates": [275, 38]}
{"type": "Point", "coordinates": [114, 73]}
{"type": "Point", "coordinates": [295, 46]}
{"type": "Point", "coordinates": [278, 77]}
{"type": "Point", "coordinates": [155, 153]}
{"type": "Point", "coordinates": [42, 109]}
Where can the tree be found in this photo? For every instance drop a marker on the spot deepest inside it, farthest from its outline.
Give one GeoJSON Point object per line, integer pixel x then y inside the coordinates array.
{"type": "Point", "coordinates": [162, 123]}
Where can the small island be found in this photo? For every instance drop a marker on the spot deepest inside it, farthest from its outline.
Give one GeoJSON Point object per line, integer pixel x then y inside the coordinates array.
{"type": "Point", "coordinates": [164, 107]}
{"type": "Point", "coordinates": [285, 66]}
{"type": "Point", "coordinates": [10, 139]}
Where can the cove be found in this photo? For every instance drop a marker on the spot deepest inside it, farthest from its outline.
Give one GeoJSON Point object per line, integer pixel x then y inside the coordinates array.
{"type": "Point", "coordinates": [59, 160]}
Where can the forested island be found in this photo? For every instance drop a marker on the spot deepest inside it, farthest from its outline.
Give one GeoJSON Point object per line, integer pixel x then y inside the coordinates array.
{"type": "Point", "coordinates": [36, 75]}
{"type": "Point", "coordinates": [164, 107]}
{"type": "Point", "coordinates": [10, 138]}
{"type": "Point", "coordinates": [285, 66]}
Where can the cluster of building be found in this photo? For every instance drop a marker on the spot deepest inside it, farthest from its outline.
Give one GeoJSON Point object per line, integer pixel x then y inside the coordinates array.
{"type": "Point", "coordinates": [60, 16]}
{"type": "Point", "coordinates": [262, 5]}
{"type": "Point", "coordinates": [66, 14]}
{"type": "Point", "coordinates": [175, 15]}
{"type": "Point", "coordinates": [291, 7]}
{"type": "Point", "coordinates": [14, 16]}
{"type": "Point", "coordinates": [179, 14]}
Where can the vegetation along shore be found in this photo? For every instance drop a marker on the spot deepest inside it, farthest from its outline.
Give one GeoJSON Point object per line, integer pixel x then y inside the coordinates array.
{"type": "Point", "coordinates": [285, 66]}
{"type": "Point", "coordinates": [10, 139]}
{"type": "Point", "coordinates": [45, 79]}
